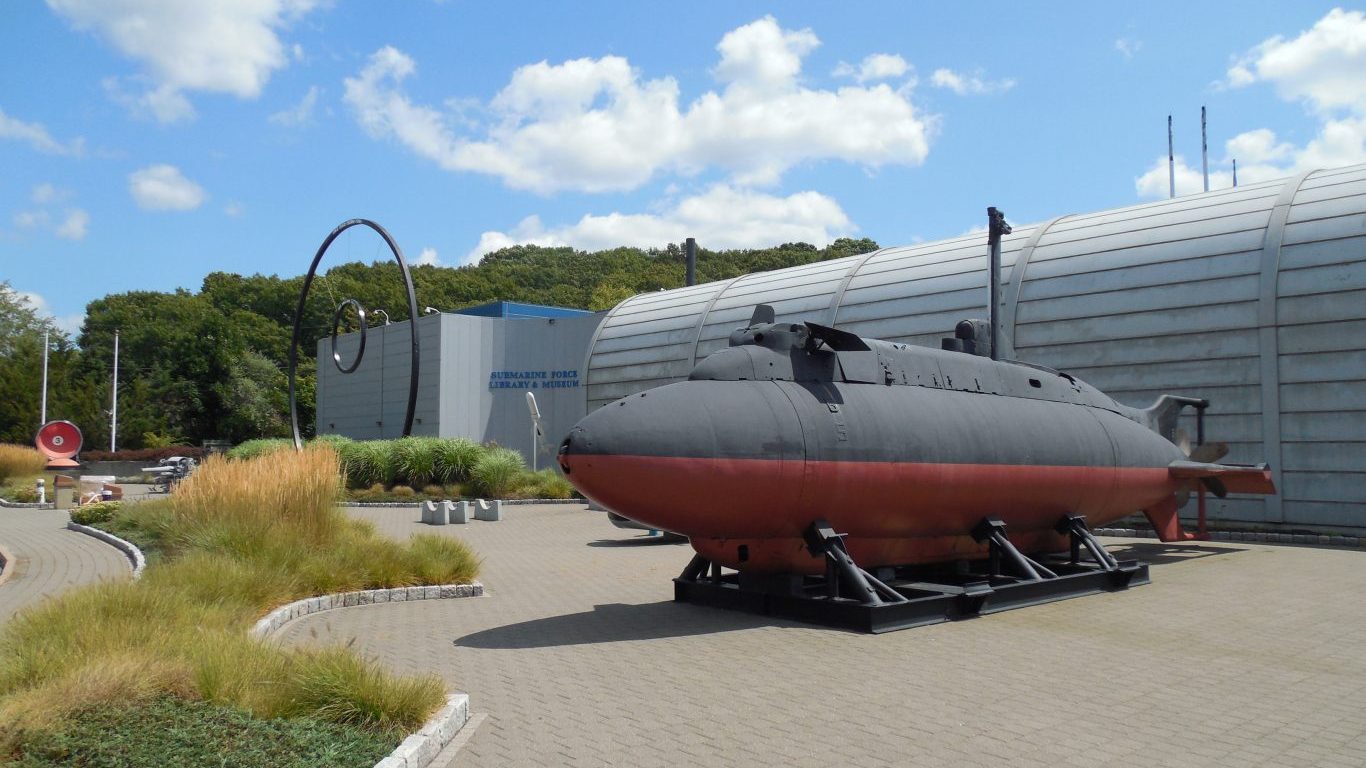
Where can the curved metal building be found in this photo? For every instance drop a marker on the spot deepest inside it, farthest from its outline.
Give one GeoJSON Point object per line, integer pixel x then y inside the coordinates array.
{"type": "Point", "coordinates": [1253, 297]}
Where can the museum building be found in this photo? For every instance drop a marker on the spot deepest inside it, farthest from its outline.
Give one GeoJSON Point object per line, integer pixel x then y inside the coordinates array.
{"type": "Point", "coordinates": [1253, 297]}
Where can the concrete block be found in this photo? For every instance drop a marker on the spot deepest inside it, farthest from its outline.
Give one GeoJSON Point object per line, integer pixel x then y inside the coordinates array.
{"type": "Point", "coordinates": [392, 762]}
{"type": "Point", "coordinates": [448, 591]}
{"type": "Point", "coordinates": [434, 512]}
{"type": "Point", "coordinates": [397, 594]}
{"type": "Point", "coordinates": [431, 593]}
{"type": "Point", "coordinates": [492, 511]}
{"type": "Point", "coordinates": [409, 750]}
{"type": "Point", "coordinates": [459, 512]}
{"type": "Point", "coordinates": [426, 751]}
{"type": "Point", "coordinates": [417, 593]}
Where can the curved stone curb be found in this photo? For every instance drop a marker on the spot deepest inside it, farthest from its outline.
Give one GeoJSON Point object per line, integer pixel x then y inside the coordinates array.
{"type": "Point", "coordinates": [420, 749]}
{"type": "Point", "coordinates": [130, 549]}
{"type": "Point", "coordinates": [1253, 536]}
{"type": "Point", "coordinates": [26, 504]}
{"type": "Point", "coordinates": [277, 618]}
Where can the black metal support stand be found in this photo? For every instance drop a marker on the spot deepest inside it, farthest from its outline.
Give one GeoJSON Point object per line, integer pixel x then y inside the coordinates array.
{"type": "Point", "coordinates": [911, 596]}
{"type": "Point", "coordinates": [992, 530]}
{"type": "Point", "coordinates": [1080, 535]}
{"type": "Point", "coordinates": [843, 577]}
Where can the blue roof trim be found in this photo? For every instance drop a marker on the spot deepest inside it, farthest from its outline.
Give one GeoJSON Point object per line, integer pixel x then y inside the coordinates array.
{"type": "Point", "coordinates": [514, 310]}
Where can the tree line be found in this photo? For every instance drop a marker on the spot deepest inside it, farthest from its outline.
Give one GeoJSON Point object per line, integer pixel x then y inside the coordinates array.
{"type": "Point", "coordinates": [212, 363]}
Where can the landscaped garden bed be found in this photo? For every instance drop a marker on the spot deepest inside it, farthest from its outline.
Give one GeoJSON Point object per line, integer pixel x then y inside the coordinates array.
{"type": "Point", "coordinates": [235, 540]}
{"type": "Point", "coordinates": [415, 469]}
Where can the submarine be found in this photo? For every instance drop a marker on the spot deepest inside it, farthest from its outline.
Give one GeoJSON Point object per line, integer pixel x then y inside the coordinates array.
{"type": "Point", "coordinates": [902, 449]}
{"type": "Point", "coordinates": [803, 450]}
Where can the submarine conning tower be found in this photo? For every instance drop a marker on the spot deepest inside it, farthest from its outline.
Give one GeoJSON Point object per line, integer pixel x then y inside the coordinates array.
{"type": "Point", "coordinates": [806, 352]}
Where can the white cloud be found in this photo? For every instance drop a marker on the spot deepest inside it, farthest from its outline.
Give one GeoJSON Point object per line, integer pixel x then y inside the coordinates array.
{"type": "Point", "coordinates": [721, 217]}
{"type": "Point", "coordinates": [45, 193]}
{"type": "Point", "coordinates": [71, 324]}
{"type": "Point", "coordinates": [1128, 46]}
{"type": "Point", "coordinates": [73, 227]}
{"type": "Point", "coordinates": [1323, 68]}
{"type": "Point", "coordinates": [234, 208]}
{"type": "Point", "coordinates": [595, 125]}
{"type": "Point", "coordinates": [223, 46]}
{"type": "Point", "coordinates": [301, 113]}
{"type": "Point", "coordinates": [877, 66]}
{"type": "Point", "coordinates": [36, 136]}
{"type": "Point", "coordinates": [164, 188]}
{"type": "Point", "coordinates": [30, 219]}
{"type": "Point", "coordinates": [1155, 182]}
{"type": "Point", "coordinates": [428, 258]}
{"type": "Point", "coordinates": [964, 84]}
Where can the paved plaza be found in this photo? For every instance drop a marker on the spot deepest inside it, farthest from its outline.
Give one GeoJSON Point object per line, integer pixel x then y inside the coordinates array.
{"type": "Point", "coordinates": [1237, 654]}
{"type": "Point", "coordinates": [48, 559]}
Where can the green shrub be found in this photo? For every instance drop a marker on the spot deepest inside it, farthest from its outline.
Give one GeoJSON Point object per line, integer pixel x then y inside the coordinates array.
{"type": "Point", "coordinates": [455, 457]}
{"type": "Point", "coordinates": [22, 491]}
{"type": "Point", "coordinates": [94, 514]}
{"type": "Point", "coordinates": [253, 448]}
{"type": "Point", "coordinates": [402, 492]}
{"type": "Point", "coordinates": [546, 484]}
{"type": "Point", "coordinates": [415, 459]}
{"type": "Point", "coordinates": [496, 473]}
{"type": "Point", "coordinates": [336, 441]}
{"type": "Point", "coordinates": [368, 462]}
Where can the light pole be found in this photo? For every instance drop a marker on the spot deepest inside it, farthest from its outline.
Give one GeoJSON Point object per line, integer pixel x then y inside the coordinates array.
{"type": "Point", "coordinates": [114, 408]}
{"type": "Point", "coordinates": [42, 415]}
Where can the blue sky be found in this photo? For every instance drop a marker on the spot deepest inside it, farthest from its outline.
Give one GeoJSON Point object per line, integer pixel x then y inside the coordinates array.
{"type": "Point", "coordinates": [146, 143]}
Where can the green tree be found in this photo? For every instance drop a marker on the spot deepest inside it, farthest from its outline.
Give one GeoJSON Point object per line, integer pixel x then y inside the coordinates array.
{"type": "Point", "coordinates": [255, 399]}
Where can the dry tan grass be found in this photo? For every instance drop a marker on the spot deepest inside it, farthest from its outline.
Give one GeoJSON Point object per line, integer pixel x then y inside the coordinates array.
{"type": "Point", "coordinates": [240, 537]}
{"type": "Point", "coordinates": [284, 493]}
{"type": "Point", "coordinates": [20, 461]}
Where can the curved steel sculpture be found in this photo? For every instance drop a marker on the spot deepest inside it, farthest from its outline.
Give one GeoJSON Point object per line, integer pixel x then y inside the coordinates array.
{"type": "Point", "coordinates": [360, 311]}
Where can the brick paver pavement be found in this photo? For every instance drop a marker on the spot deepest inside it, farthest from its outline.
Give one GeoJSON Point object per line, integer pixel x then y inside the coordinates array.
{"type": "Point", "coordinates": [1237, 655]}
{"type": "Point", "coordinates": [49, 559]}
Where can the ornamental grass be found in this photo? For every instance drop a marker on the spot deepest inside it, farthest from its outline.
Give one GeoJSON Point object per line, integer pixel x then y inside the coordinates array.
{"type": "Point", "coordinates": [20, 461]}
{"type": "Point", "coordinates": [235, 540]}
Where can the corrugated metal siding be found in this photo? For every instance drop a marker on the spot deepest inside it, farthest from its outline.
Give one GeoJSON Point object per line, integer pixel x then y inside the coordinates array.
{"type": "Point", "coordinates": [1170, 296]}
{"type": "Point", "coordinates": [1321, 335]}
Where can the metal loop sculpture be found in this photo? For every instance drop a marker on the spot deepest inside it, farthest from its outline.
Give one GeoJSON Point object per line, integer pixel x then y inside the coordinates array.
{"type": "Point", "coordinates": [336, 325]}
{"type": "Point", "coordinates": [360, 311]}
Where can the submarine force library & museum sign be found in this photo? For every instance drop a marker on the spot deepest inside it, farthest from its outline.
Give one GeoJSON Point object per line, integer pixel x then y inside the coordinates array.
{"type": "Point", "coordinates": [562, 379]}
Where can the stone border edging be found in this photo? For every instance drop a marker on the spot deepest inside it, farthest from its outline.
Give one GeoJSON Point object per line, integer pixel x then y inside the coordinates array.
{"type": "Point", "coordinates": [277, 618]}
{"type": "Point", "coordinates": [27, 504]}
{"type": "Point", "coordinates": [419, 749]}
{"type": "Point", "coordinates": [1253, 536]}
{"type": "Point", "coordinates": [135, 556]}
